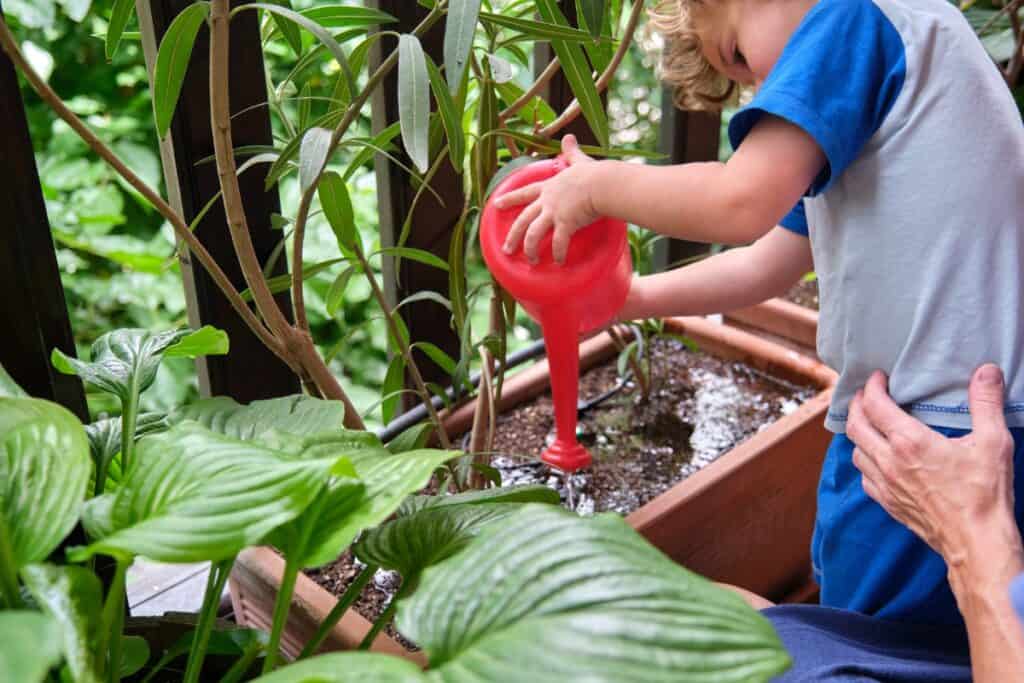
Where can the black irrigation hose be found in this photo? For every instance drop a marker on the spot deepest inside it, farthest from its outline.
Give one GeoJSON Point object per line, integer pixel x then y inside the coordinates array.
{"type": "Point", "coordinates": [418, 413]}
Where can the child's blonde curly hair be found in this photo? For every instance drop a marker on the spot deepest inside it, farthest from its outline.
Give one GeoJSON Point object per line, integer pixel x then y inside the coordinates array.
{"type": "Point", "coordinates": [696, 83]}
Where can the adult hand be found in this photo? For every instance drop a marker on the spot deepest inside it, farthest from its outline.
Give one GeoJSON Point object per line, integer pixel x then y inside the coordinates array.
{"type": "Point", "coordinates": [948, 491]}
{"type": "Point", "coordinates": [564, 202]}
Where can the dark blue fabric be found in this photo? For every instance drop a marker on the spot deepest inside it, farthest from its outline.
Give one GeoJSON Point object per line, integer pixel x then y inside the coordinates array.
{"type": "Point", "coordinates": [866, 561]}
{"type": "Point", "coordinates": [839, 646]}
{"type": "Point", "coordinates": [837, 78]}
{"type": "Point", "coordinates": [796, 220]}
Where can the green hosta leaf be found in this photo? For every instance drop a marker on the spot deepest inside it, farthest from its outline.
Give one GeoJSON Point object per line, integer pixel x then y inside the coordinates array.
{"type": "Point", "coordinates": [73, 596]}
{"type": "Point", "coordinates": [123, 358]}
{"type": "Point", "coordinates": [337, 206]}
{"type": "Point", "coordinates": [44, 471]}
{"type": "Point", "coordinates": [317, 426]}
{"type": "Point", "coordinates": [605, 604]}
{"type": "Point", "coordinates": [134, 655]}
{"type": "Point", "coordinates": [411, 439]}
{"type": "Point", "coordinates": [206, 341]}
{"type": "Point", "coordinates": [532, 493]}
{"type": "Point", "coordinates": [8, 387]}
{"type": "Point", "coordinates": [316, 144]}
{"type": "Point", "coordinates": [120, 15]}
{"type": "Point", "coordinates": [451, 117]}
{"type": "Point", "coordinates": [232, 642]}
{"type": "Point", "coordinates": [105, 439]}
{"type": "Point", "coordinates": [194, 495]}
{"type": "Point", "coordinates": [414, 100]}
{"type": "Point", "coordinates": [29, 645]}
{"type": "Point", "coordinates": [172, 62]}
{"type": "Point", "coordinates": [577, 72]}
{"type": "Point", "coordinates": [347, 667]}
{"type": "Point", "coordinates": [410, 544]}
{"type": "Point", "coordinates": [460, 28]}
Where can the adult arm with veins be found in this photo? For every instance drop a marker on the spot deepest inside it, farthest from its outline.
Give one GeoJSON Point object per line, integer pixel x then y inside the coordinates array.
{"type": "Point", "coordinates": [957, 495]}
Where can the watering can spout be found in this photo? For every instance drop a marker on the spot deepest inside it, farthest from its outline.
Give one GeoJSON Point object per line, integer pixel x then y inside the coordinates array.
{"type": "Point", "coordinates": [581, 295]}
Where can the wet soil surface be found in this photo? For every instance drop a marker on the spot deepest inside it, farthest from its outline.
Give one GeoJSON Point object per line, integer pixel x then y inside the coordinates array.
{"type": "Point", "coordinates": [804, 293]}
{"type": "Point", "coordinates": [699, 408]}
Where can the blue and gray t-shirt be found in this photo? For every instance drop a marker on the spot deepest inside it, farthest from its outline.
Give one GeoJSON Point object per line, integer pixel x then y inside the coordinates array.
{"type": "Point", "coordinates": [917, 220]}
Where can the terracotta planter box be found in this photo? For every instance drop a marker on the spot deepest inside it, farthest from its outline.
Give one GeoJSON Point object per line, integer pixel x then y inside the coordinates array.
{"type": "Point", "coordinates": [780, 321]}
{"type": "Point", "coordinates": [744, 519]}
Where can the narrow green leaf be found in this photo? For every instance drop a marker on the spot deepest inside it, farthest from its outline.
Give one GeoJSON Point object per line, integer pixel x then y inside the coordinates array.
{"type": "Point", "coordinates": [282, 283]}
{"type": "Point", "coordinates": [414, 100]}
{"type": "Point", "coordinates": [381, 141]}
{"type": "Point", "coordinates": [538, 30]}
{"type": "Point", "coordinates": [336, 294]}
{"type": "Point", "coordinates": [577, 72]}
{"type": "Point", "coordinates": [206, 341]}
{"type": "Point", "coordinates": [29, 646]}
{"type": "Point", "coordinates": [415, 255]}
{"type": "Point", "coordinates": [534, 111]}
{"type": "Point", "coordinates": [593, 14]}
{"type": "Point", "coordinates": [288, 153]}
{"type": "Point", "coordinates": [394, 380]}
{"type": "Point", "coordinates": [443, 360]}
{"type": "Point", "coordinates": [305, 105]}
{"type": "Point", "coordinates": [411, 439]}
{"type": "Point", "coordinates": [425, 295]}
{"type": "Point", "coordinates": [288, 29]}
{"type": "Point", "coordinates": [347, 16]}
{"type": "Point", "coordinates": [318, 31]}
{"type": "Point", "coordinates": [316, 144]}
{"type": "Point", "coordinates": [120, 15]}
{"type": "Point", "coordinates": [337, 206]}
{"type": "Point", "coordinates": [460, 28]}
{"type": "Point", "coordinates": [172, 62]}
{"type": "Point", "coordinates": [73, 596]}
{"type": "Point", "coordinates": [451, 117]}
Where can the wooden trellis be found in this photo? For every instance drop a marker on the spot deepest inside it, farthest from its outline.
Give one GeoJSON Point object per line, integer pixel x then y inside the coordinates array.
{"type": "Point", "coordinates": [34, 308]}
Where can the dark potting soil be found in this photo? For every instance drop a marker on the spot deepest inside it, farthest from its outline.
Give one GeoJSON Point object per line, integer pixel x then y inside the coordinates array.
{"type": "Point", "coordinates": [700, 407]}
{"type": "Point", "coordinates": [804, 293]}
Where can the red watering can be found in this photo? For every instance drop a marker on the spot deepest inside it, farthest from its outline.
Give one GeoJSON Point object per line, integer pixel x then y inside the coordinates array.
{"type": "Point", "coordinates": [582, 295]}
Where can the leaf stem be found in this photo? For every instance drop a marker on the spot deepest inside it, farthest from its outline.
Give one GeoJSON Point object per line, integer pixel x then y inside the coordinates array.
{"type": "Point", "coordinates": [129, 419]}
{"type": "Point", "coordinates": [281, 607]}
{"type": "Point", "coordinates": [338, 611]}
{"type": "Point", "coordinates": [113, 621]}
{"type": "Point", "coordinates": [384, 619]}
{"type": "Point", "coordinates": [219, 572]}
{"type": "Point", "coordinates": [8, 569]}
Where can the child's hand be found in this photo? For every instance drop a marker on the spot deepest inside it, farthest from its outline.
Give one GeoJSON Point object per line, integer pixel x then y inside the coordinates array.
{"type": "Point", "coordinates": [563, 201]}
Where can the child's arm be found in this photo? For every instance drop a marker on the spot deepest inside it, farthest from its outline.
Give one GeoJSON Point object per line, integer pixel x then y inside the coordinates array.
{"type": "Point", "coordinates": [733, 203]}
{"type": "Point", "coordinates": [734, 279]}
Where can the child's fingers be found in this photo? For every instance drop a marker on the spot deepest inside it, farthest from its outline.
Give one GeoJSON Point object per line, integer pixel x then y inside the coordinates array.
{"type": "Point", "coordinates": [534, 234]}
{"type": "Point", "coordinates": [560, 242]}
{"type": "Point", "coordinates": [522, 222]}
{"type": "Point", "coordinates": [523, 195]}
{"type": "Point", "coordinates": [571, 150]}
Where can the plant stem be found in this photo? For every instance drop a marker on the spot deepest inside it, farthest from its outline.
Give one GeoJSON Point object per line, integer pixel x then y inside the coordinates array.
{"type": "Point", "coordinates": [545, 77]}
{"type": "Point", "coordinates": [8, 569]}
{"type": "Point", "coordinates": [417, 378]}
{"type": "Point", "coordinates": [129, 418]}
{"type": "Point", "coordinates": [181, 228]}
{"type": "Point", "coordinates": [338, 611]}
{"type": "Point", "coordinates": [384, 619]}
{"type": "Point", "coordinates": [113, 621]}
{"type": "Point", "coordinates": [281, 607]}
{"type": "Point", "coordinates": [298, 296]}
{"type": "Point", "coordinates": [211, 601]}
{"type": "Point", "coordinates": [573, 111]}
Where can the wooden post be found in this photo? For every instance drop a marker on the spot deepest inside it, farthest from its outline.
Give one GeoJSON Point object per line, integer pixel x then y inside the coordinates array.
{"type": "Point", "coordinates": [32, 306]}
{"type": "Point", "coordinates": [249, 371]}
{"type": "Point", "coordinates": [685, 136]}
{"type": "Point", "coordinates": [432, 222]}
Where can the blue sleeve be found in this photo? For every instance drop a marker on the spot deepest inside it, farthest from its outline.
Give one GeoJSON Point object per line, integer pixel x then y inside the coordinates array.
{"type": "Point", "coordinates": [837, 79]}
{"type": "Point", "coordinates": [796, 220]}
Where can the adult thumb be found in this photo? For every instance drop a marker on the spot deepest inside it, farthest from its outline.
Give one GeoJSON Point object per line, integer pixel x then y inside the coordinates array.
{"type": "Point", "coordinates": [985, 399]}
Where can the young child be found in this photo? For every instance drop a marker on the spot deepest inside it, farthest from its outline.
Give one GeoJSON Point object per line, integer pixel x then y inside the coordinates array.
{"type": "Point", "coordinates": [888, 128]}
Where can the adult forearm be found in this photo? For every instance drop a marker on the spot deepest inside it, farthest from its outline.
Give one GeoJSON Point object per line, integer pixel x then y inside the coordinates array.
{"type": "Point", "coordinates": [980, 578]}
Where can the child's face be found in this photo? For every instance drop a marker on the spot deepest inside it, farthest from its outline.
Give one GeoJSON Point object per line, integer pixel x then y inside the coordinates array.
{"type": "Point", "coordinates": [744, 38]}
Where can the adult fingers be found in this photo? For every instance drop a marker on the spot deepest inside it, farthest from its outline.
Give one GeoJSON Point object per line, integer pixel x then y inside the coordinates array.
{"type": "Point", "coordinates": [883, 413]}
{"type": "Point", "coordinates": [531, 243]}
{"type": "Point", "coordinates": [861, 431]}
{"type": "Point", "coordinates": [520, 196]}
{"type": "Point", "coordinates": [519, 226]}
{"type": "Point", "coordinates": [985, 399]}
